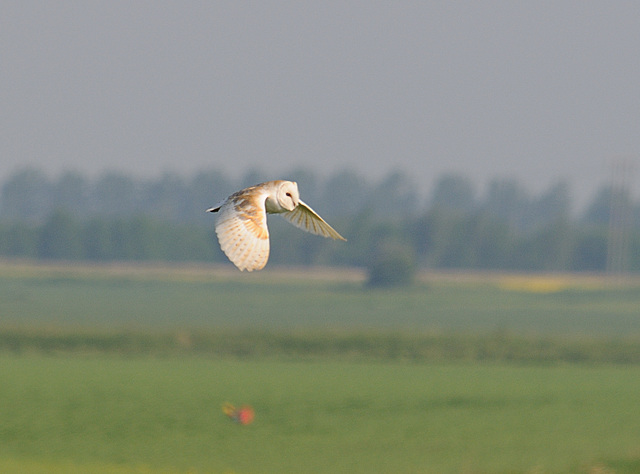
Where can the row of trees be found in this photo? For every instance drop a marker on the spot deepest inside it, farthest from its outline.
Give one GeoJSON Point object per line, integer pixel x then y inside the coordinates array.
{"type": "Point", "coordinates": [31, 196]}
{"type": "Point", "coordinates": [118, 217]}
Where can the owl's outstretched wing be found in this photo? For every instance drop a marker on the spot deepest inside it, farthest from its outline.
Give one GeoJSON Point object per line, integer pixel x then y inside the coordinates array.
{"type": "Point", "coordinates": [307, 219]}
{"type": "Point", "coordinates": [242, 230]}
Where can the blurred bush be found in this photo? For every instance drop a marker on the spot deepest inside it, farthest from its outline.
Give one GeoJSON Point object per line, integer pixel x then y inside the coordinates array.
{"type": "Point", "coordinates": [392, 267]}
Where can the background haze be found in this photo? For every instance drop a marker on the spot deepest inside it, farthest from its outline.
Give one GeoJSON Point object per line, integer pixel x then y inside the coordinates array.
{"type": "Point", "coordinates": [539, 91]}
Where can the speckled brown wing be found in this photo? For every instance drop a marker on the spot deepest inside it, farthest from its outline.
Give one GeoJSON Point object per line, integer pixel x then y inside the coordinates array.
{"type": "Point", "coordinates": [307, 219]}
{"type": "Point", "coordinates": [242, 230]}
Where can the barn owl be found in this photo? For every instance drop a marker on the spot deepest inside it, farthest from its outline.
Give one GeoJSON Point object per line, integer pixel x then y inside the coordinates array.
{"type": "Point", "coordinates": [242, 223]}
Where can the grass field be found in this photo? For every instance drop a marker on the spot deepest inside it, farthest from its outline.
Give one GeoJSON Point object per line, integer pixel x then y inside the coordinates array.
{"type": "Point", "coordinates": [167, 299]}
{"type": "Point", "coordinates": [125, 369]}
{"type": "Point", "coordinates": [152, 310]}
{"type": "Point", "coordinates": [146, 415]}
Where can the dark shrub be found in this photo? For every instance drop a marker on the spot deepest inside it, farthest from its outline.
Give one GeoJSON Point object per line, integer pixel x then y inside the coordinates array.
{"type": "Point", "coordinates": [391, 268]}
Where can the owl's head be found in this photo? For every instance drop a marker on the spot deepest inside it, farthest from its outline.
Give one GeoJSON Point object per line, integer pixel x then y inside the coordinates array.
{"type": "Point", "coordinates": [288, 195]}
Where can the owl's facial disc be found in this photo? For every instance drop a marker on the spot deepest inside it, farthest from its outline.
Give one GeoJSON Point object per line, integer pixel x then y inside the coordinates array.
{"type": "Point", "coordinates": [288, 196]}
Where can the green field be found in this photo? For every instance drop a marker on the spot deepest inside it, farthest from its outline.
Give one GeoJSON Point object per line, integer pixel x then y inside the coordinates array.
{"type": "Point", "coordinates": [125, 369]}
{"type": "Point", "coordinates": [166, 299]}
{"type": "Point", "coordinates": [146, 415]}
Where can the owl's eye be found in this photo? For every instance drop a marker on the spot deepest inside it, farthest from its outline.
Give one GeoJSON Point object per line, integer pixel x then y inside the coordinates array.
{"type": "Point", "coordinates": [289, 194]}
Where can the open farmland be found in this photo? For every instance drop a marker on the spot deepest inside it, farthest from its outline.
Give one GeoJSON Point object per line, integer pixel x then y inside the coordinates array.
{"type": "Point", "coordinates": [131, 309]}
{"type": "Point", "coordinates": [125, 369]}
{"type": "Point", "coordinates": [149, 297]}
{"type": "Point", "coordinates": [103, 414]}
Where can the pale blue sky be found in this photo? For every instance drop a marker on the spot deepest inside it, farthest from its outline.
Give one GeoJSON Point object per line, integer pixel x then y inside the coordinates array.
{"type": "Point", "coordinates": [539, 90]}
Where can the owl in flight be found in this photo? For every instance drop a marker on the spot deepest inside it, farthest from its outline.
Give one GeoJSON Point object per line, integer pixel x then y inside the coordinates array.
{"type": "Point", "coordinates": [242, 221]}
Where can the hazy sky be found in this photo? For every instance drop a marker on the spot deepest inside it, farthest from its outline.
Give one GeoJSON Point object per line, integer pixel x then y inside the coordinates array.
{"type": "Point", "coordinates": [537, 90]}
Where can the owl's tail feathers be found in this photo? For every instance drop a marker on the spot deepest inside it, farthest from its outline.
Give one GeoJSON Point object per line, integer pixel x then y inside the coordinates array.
{"type": "Point", "coordinates": [217, 207]}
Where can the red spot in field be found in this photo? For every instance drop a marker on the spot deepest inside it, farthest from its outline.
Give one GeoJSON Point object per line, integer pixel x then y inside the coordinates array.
{"type": "Point", "coordinates": [243, 415]}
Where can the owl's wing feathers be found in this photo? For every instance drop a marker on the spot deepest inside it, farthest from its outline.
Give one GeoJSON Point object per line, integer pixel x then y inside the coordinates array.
{"type": "Point", "coordinates": [307, 219]}
{"type": "Point", "coordinates": [242, 229]}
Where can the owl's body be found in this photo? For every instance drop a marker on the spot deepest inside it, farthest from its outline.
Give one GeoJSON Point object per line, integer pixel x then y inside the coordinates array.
{"type": "Point", "coordinates": [241, 226]}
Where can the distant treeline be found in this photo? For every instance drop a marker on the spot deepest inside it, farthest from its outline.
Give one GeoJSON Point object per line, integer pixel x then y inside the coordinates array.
{"type": "Point", "coordinates": [119, 217]}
